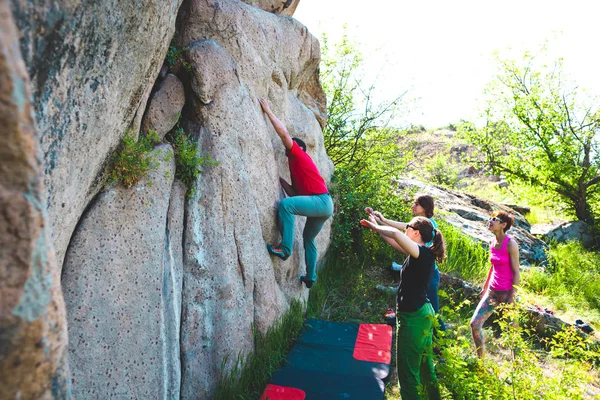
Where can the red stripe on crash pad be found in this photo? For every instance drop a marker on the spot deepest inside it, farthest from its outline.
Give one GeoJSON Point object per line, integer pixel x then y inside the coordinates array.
{"type": "Point", "coordinates": [276, 392]}
{"type": "Point", "coordinates": [373, 343]}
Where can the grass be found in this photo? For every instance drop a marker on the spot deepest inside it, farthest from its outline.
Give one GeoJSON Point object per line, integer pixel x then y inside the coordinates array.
{"type": "Point", "coordinates": [249, 375]}
{"type": "Point", "coordinates": [467, 258]}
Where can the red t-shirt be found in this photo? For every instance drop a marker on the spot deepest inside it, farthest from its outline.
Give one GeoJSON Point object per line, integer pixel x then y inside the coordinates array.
{"type": "Point", "coordinates": [306, 178]}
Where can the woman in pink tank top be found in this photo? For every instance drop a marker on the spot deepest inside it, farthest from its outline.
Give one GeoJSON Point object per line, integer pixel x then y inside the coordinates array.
{"type": "Point", "coordinates": [502, 278]}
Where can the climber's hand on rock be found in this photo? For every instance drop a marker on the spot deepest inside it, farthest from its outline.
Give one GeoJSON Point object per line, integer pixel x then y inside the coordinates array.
{"type": "Point", "coordinates": [264, 105]}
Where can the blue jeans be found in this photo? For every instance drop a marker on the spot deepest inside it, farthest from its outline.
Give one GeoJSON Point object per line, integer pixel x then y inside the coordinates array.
{"type": "Point", "coordinates": [432, 295]}
{"type": "Point", "coordinates": [317, 209]}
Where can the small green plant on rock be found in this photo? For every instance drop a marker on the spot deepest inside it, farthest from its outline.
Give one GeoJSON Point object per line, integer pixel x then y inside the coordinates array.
{"type": "Point", "coordinates": [188, 161]}
{"type": "Point", "coordinates": [132, 162]}
{"type": "Point", "coordinates": [175, 57]}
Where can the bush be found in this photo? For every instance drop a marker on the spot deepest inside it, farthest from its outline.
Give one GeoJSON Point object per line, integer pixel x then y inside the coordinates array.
{"type": "Point", "coordinates": [441, 171]}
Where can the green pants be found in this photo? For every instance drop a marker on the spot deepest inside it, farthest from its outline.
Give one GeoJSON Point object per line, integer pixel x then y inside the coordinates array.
{"type": "Point", "coordinates": [414, 353]}
{"type": "Point", "coordinates": [317, 209]}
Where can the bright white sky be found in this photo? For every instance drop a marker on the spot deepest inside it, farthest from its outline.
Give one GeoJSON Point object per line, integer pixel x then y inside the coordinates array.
{"type": "Point", "coordinates": [441, 51]}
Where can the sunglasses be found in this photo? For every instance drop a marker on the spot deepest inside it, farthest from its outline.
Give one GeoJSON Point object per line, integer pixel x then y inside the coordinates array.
{"type": "Point", "coordinates": [495, 219]}
{"type": "Point", "coordinates": [411, 227]}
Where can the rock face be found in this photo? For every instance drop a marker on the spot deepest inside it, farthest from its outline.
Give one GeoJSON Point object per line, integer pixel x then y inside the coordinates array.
{"type": "Point", "coordinates": [238, 54]}
{"type": "Point", "coordinates": [118, 286]}
{"type": "Point", "coordinates": [161, 286]}
{"type": "Point", "coordinates": [33, 329]}
{"type": "Point", "coordinates": [469, 214]}
{"type": "Point", "coordinates": [92, 66]}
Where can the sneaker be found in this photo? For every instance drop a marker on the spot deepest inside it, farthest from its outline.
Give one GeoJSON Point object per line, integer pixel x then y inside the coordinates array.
{"type": "Point", "coordinates": [396, 266]}
{"type": "Point", "coordinates": [276, 251]}
{"type": "Point", "coordinates": [307, 282]}
{"type": "Point", "coordinates": [584, 326]}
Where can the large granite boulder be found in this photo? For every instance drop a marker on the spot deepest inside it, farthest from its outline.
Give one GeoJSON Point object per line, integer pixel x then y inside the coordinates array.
{"type": "Point", "coordinates": [282, 7]}
{"type": "Point", "coordinates": [164, 107]}
{"type": "Point", "coordinates": [238, 54]}
{"type": "Point", "coordinates": [470, 214]}
{"type": "Point", "coordinates": [33, 329]}
{"type": "Point", "coordinates": [92, 66]}
{"type": "Point", "coordinates": [121, 287]}
{"type": "Point", "coordinates": [567, 231]}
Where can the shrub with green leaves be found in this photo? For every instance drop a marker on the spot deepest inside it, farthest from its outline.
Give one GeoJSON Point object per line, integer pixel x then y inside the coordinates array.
{"type": "Point", "coordinates": [132, 162]}
{"type": "Point", "coordinates": [188, 160]}
{"type": "Point", "coordinates": [442, 171]}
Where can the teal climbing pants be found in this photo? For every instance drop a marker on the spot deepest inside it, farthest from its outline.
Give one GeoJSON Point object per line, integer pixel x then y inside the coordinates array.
{"type": "Point", "coordinates": [414, 354]}
{"type": "Point", "coordinates": [317, 209]}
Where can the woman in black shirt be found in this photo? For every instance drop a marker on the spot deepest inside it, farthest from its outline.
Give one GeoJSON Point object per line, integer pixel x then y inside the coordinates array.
{"type": "Point", "coordinates": [414, 314]}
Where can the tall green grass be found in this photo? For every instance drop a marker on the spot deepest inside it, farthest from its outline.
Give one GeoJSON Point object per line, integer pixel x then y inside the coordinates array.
{"type": "Point", "coordinates": [249, 375]}
{"type": "Point", "coordinates": [467, 258]}
{"type": "Point", "coordinates": [571, 278]}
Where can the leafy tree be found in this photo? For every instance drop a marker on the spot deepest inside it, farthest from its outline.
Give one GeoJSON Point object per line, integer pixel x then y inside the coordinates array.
{"type": "Point", "coordinates": [358, 135]}
{"type": "Point", "coordinates": [542, 132]}
{"type": "Point", "coordinates": [360, 142]}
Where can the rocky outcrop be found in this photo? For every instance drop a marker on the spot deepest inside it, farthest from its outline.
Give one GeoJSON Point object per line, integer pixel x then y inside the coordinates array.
{"type": "Point", "coordinates": [92, 67]}
{"type": "Point", "coordinates": [470, 213]}
{"type": "Point", "coordinates": [567, 231]}
{"type": "Point", "coordinates": [33, 330]}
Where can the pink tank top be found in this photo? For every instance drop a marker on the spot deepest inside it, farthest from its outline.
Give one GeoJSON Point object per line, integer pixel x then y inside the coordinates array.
{"type": "Point", "coordinates": [502, 273]}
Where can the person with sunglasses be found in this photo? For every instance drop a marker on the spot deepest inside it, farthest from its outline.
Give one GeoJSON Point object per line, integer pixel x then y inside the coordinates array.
{"type": "Point", "coordinates": [414, 314]}
{"type": "Point", "coordinates": [423, 206]}
{"type": "Point", "coordinates": [503, 276]}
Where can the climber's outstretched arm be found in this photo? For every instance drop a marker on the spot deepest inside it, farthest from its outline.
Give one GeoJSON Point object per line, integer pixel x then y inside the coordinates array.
{"type": "Point", "coordinates": [278, 125]}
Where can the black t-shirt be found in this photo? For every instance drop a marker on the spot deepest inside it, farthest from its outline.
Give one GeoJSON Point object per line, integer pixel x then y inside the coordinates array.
{"type": "Point", "coordinates": [414, 279]}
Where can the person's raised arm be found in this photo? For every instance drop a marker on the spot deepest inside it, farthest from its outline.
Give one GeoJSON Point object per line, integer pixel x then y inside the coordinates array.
{"type": "Point", "coordinates": [384, 221]}
{"type": "Point", "coordinates": [403, 241]}
{"type": "Point", "coordinates": [278, 125]}
{"type": "Point", "coordinates": [389, 240]}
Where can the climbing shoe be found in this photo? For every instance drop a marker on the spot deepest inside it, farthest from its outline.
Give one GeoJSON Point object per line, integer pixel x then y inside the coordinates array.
{"type": "Point", "coordinates": [307, 282]}
{"type": "Point", "coordinates": [276, 251]}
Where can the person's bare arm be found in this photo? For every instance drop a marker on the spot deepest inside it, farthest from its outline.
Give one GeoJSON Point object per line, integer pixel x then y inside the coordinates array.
{"type": "Point", "coordinates": [289, 189]}
{"type": "Point", "coordinates": [513, 252]}
{"type": "Point", "coordinates": [394, 224]}
{"type": "Point", "coordinates": [403, 241]}
{"type": "Point", "coordinates": [280, 129]}
{"type": "Point", "coordinates": [373, 218]}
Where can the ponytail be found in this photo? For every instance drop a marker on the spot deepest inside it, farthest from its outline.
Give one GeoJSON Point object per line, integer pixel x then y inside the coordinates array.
{"type": "Point", "coordinates": [430, 234]}
{"type": "Point", "coordinates": [438, 248]}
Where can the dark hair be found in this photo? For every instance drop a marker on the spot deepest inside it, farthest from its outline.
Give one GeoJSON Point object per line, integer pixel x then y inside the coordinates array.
{"type": "Point", "coordinates": [504, 217]}
{"type": "Point", "coordinates": [429, 233]}
{"type": "Point", "coordinates": [426, 201]}
{"type": "Point", "coordinates": [300, 143]}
